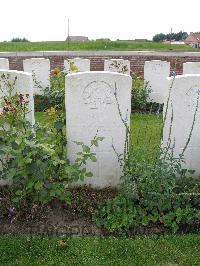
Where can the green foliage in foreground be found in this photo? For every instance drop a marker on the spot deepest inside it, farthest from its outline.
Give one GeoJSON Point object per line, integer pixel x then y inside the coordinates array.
{"type": "Point", "coordinates": [156, 250]}
{"type": "Point", "coordinates": [92, 45]}
{"type": "Point", "coordinates": [35, 158]}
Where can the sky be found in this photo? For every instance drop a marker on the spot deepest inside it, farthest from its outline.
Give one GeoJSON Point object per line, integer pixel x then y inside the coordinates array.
{"type": "Point", "coordinates": [46, 20]}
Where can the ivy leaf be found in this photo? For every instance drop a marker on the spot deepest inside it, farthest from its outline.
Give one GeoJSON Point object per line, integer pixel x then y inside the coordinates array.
{"type": "Point", "coordinates": [38, 185]}
{"type": "Point", "coordinates": [18, 193]}
{"type": "Point", "coordinates": [93, 158]}
{"type": "Point", "coordinates": [89, 174]}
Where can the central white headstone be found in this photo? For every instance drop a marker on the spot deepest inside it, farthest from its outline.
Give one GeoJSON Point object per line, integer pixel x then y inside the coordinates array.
{"type": "Point", "coordinates": [155, 74]}
{"type": "Point", "coordinates": [4, 63]}
{"type": "Point", "coordinates": [40, 70]}
{"type": "Point", "coordinates": [191, 68]}
{"type": "Point", "coordinates": [183, 120]}
{"type": "Point", "coordinates": [92, 108]}
{"type": "Point", "coordinates": [77, 65]}
{"type": "Point", "coordinates": [117, 65]}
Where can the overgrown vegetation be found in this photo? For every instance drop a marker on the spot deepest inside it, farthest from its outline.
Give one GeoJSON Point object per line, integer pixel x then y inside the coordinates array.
{"type": "Point", "coordinates": [152, 194]}
{"type": "Point", "coordinates": [155, 190]}
{"type": "Point", "coordinates": [139, 95]}
{"type": "Point", "coordinates": [34, 158]}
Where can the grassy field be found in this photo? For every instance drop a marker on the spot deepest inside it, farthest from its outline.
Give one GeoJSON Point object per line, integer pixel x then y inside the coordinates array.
{"type": "Point", "coordinates": [92, 45]}
{"type": "Point", "coordinates": [156, 250]}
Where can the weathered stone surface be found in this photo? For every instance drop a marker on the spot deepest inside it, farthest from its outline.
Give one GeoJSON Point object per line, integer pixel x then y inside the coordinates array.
{"type": "Point", "coordinates": [117, 65]}
{"type": "Point", "coordinates": [191, 68]}
{"type": "Point", "coordinates": [91, 108]}
{"type": "Point", "coordinates": [183, 110]}
{"type": "Point", "coordinates": [77, 65]}
{"type": "Point", "coordinates": [4, 63]}
{"type": "Point", "coordinates": [40, 70]}
{"type": "Point", "coordinates": [155, 74]}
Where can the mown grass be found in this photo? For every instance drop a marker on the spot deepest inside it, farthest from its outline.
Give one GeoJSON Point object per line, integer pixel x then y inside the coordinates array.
{"type": "Point", "coordinates": [92, 45]}
{"type": "Point", "coordinates": [155, 250]}
{"type": "Point", "coordinates": [146, 132]}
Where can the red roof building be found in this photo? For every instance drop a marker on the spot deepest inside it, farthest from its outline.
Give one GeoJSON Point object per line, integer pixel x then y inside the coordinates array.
{"type": "Point", "coordinates": [193, 40]}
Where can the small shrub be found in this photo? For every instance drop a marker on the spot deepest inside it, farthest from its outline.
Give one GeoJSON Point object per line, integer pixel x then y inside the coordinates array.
{"type": "Point", "coordinates": [56, 93]}
{"type": "Point", "coordinates": [41, 103]}
{"type": "Point", "coordinates": [155, 191]}
{"type": "Point", "coordinates": [35, 158]}
{"type": "Point", "coordinates": [140, 94]}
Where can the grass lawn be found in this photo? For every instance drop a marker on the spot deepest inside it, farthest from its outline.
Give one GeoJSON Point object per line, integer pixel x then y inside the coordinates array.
{"type": "Point", "coordinates": [146, 132]}
{"type": "Point", "coordinates": [154, 250]}
{"type": "Point", "coordinates": [92, 45]}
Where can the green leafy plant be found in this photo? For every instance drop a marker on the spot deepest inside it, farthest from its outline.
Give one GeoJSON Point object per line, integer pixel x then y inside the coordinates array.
{"type": "Point", "coordinates": [152, 191]}
{"type": "Point", "coordinates": [139, 95]}
{"type": "Point", "coordinates": [34, 158]}
{"type": "Point", "coordinates": [55, 94]}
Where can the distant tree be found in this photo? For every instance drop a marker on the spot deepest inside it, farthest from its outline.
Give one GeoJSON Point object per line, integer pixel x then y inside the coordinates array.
{"type": "Point", "coordinates": [177, 36]}
{"type": "Point", "coordinates": [19, 40]}
{"type": "Point", "coordinates": [170, 36]}
{"type": "Point", "coordinates": [159, 37]}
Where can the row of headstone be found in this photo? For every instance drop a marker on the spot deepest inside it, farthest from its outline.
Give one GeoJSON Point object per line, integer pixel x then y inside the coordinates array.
{"type": "Point", "coordinates": [91, 96]}
{"type": "Point", "coordinates": [40, 69]}
{"type": "Point", "coordinates": [80, 65]}
{"type": "Point", "coordinates": [156, 73]}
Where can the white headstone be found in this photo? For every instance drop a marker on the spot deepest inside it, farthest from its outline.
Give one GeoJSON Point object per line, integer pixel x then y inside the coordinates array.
{"type": "Point", "coordinates": [91, 108]}
{"type": "Point", "coordinates": [40, 69]}
{"type": "Point", "coordinates": [191, 68]}
{"type": "Point", "coordinates": [183, 102]}
{"type": "Point", "coordinates": [77, 65]}
{"type": "Point", "coordinates": [4, 63]}
{"type": "Point", "coordinates": [17, 82]}
{"type": "Point", "coordinates": [155, 74]}
{"type": "Point", "coordinates": [22, 84]}
{"type": "Point", "coordinates": [117, 65]}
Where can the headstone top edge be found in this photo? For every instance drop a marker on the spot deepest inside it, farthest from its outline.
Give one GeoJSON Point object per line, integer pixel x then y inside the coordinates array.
{"type": "Point", "coordinates": [109, 73]}
{"type": "Point", "coordinates": [16, 72]}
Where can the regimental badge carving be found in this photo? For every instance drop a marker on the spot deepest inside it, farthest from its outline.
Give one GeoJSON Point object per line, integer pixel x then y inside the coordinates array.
{"type": "Point", "coordinates": [193, 98]}
{"type": "Point", "coordinates": [97, 95]}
